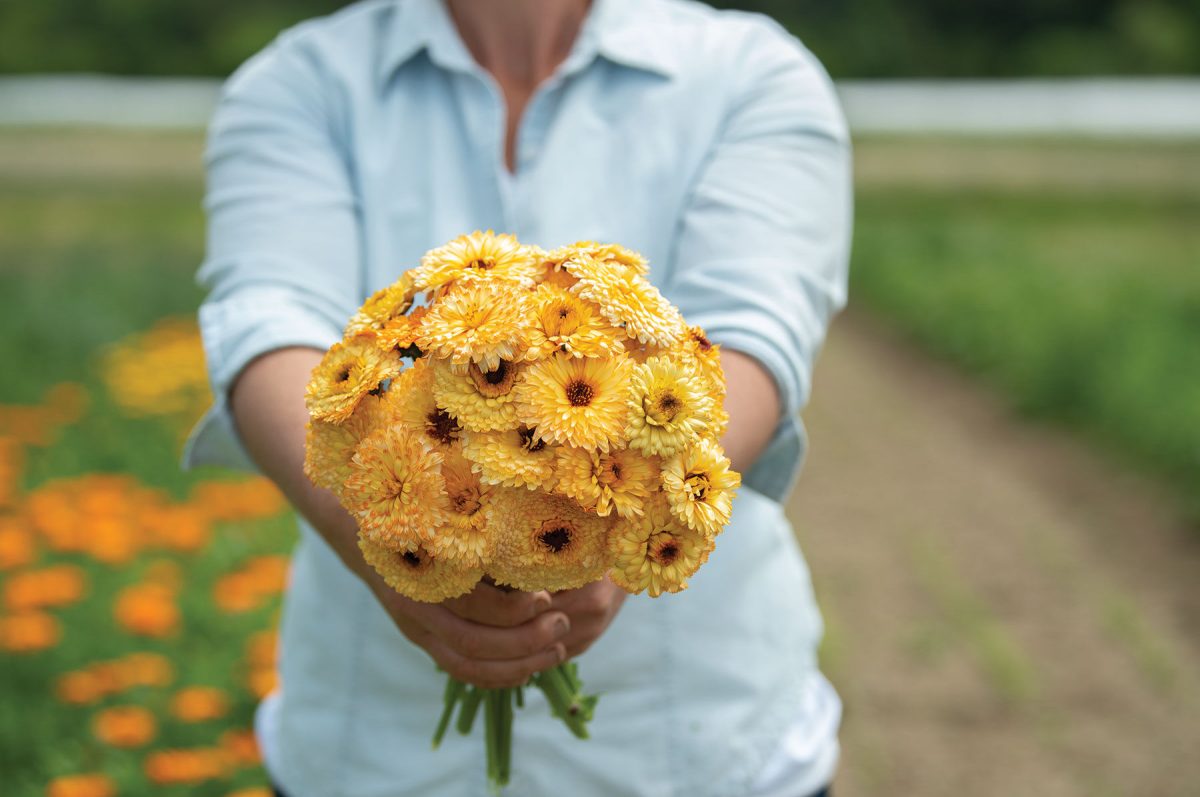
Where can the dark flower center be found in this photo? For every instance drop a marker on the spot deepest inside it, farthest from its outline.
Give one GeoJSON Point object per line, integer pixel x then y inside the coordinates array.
{"type": "Point", "coordinates": [667, 553]}
{"type": "Point", "coordinates": [480, 263]}
{"type": "Point", "coordinates": [343, 374]}
{"type": "Point", "coordinates": [441, 426]}
{"type": "Point", "coordinates": [580, 393]}
{"type": "Point", "coordinates": [529, 442]}
{"type": "Point", "coordinates": [556, 539]}
{"type": "Point", "coordinates": [497, 376]}
{"type": "Point", "coordinates": [703, 342]}
{"type": "Point", "coordinates": [411, 559]}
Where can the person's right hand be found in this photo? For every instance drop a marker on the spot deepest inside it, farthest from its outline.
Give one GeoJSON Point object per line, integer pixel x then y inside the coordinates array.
{"type": "Point", "coordinates": [489, 637]}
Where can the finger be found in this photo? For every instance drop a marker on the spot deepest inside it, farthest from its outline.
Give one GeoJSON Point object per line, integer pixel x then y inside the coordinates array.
{"type": "Point", "coordinates": [590, 600]}
{"type": "Point", "coordinates": [476, 641]}
{"type": "Point", "coordinates": [489, 605]}
{"type": "Point", "coordinates": [503, 674]}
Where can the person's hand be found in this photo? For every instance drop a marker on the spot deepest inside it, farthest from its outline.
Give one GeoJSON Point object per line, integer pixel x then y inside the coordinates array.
{"type": "Point", "coordinates": [489, 637]}
{"type": "Point", "coordinates": [591, 608]}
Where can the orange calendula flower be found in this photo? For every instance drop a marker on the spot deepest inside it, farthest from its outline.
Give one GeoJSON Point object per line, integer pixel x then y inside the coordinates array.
{"type": "Point", "coordinates": [329, 447]}
{"type": "Point", "coordinates": [29, 632]}
{"type": "Point", "coordinates": [93, 785]}
{"type": "Point", "coordinates": [241, 746]}
{"type": "Point", "coordinates": [199, 704]}
{"type": "Point", "coordinates": [700, 487]}
{"type": "Point", "coordinates": [185, 766]}
{"type": "Point", "coordinates": [477, 256]}
{"type": "Point", "coordinates": [81, 687]}
{"type": "Point", "coordinates": [383, 306]}
{"type": "Point", "coordinates": [124, 726]}
{"type": "Point", "coordinates": [349, 370]}
{"type": "Point", "coordinates": [478, 400]}
{"type": "Point", "coordinates": [656, 552]}
{"type": "Point", "coordinates": [401, 334]}
{"type": "Point", "coordinates": [602, 483]}
{"type": "Point", "coordinates": [58, 585]}
{"type": "Point", "coordinates": [564, 323]}
{"type": "Point", "coordinates": [668, 407]}
{"type": "Point", "coordinates": [17, 547]}
{"type": "Point", "coordinates": [481, 323]}
{"type": "Point", "coordinates": [396, 490]}
{"type": "Point", "coordinates": [145, 669]}
{"type": "Point", "coordinates": [147, 610]}
{"type": "Point", "coordinates": [420, 575]}
{"type": "Point", "coordinates": [545, 541]}
{"type": "Point", "coordinates": [576, 402]}
{"type": "Point", "coordinates": [252, 791]}
{"type": "Point", "coordinates": [514, 457]}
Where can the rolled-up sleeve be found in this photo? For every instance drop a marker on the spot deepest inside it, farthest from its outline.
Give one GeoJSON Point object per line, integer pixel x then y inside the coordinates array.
{"type": "Point", "coordinates": [283, 248]}
{"type": "Point", "coordinates": [761, 258]}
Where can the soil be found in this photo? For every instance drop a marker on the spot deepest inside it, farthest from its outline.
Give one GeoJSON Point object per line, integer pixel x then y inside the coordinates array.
{"type": "Point", "coordinates": [1007, 611]}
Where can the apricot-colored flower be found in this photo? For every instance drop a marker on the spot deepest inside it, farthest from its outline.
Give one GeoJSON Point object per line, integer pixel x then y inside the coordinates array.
{"type": "Point", "coordinates": [629, 301]}
{"type": "Point", "coordinates": [29, 632]}
{"type": "Point", "coordinates": [419, 575]}
{"type": "Point", "coordinates": [384, 306]}
{"type": "Point", "coordinates": [396, 490]}
{"type": "Point", "coordinates": [124, 726]}
{"type": "Point", "coordinates": [466, 538]}
{"type": "Point", "coordinates": [700, 486]}
{"type": "Point", "coordinates": [93, 785]}
{"type": "Point", "coordinates": [602, 483]}
{"type": "Point", "coordinates": [668, 407]}
{"type": "Point", "coordinates": [564, 323]}
{"type": "Point", "coordinates": [513, 457]}
{"type": "Point", "coordinates": [199, 704]}
{"type": "Point", "coordinates": [545, 541]}
{"type": "Point", "coordinates": [415, 405]}
{"type": "Point", "coordinates": [481, 401]}
{"type": "Point", "coordinates": [481, 322]}
{"type": "Point", "coordinates": [655, 551]}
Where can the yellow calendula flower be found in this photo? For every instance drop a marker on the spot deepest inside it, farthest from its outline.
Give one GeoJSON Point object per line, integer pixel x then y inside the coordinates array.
{"type": "Point", "coordinates": [349, 370]}
{"type": "Point", "coordinates": [610, 253]}
{"type": "Point", "coordinates": [329, 447]}
{"type": "Point", "coordinates": [513, 457]}
{"type": "Point", "coordinates": [480, 255]}
{"type": "Point", "coordinates": [395, 489]}
{"type": "Point", "coordinates": [696, 348]}
{"type": "Point", "coordinates": [545, 541]}
{"type": "Point", "coordinates": [628, 300]}
{"type": "Point", "coordinates": [602, 483]}
{"type": "Point", "coordinates": [700, 486]}
{"type": "Point", "coordinates": [669, 408]}
{"type": "Point", "coordinates": [564, 323]}
{"type": "Point", "coordinates": [418, 574]}
{"type": "Point", "coordinates": [578, 402]}
{"type": "Point", "coordinates": [384, 306]}
{"type": "Point", "coordinates": [654, 551]}
{"type": "Point", "coordinates": [466, 538]}
{"type": "Point", "coordinates": [481, 322]}
{"type": "Point", "coordinates": [416, 407]}
{"type": "Point", "coordinates": [481, 401]}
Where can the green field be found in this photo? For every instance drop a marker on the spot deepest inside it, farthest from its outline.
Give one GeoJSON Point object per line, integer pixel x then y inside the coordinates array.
{"type": "Point", "coordinates": [1067, 277]}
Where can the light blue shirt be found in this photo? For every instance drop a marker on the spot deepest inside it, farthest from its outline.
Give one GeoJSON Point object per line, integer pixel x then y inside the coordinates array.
{"type": "Point", "coordinates": [709, 141]}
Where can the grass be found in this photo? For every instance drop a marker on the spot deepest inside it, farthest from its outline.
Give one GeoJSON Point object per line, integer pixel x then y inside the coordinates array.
{"type": "Point", "coordinates": [1081, 307]}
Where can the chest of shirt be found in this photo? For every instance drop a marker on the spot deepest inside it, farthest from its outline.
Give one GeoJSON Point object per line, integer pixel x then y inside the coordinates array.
{"type": "Point", "coordinates": [603, 154]}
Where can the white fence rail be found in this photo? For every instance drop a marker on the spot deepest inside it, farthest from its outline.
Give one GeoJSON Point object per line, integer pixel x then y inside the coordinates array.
{"type": "Point", "coordinates": [1106, 107]}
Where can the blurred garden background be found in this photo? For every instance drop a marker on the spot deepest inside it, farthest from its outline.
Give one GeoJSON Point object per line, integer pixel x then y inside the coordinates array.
{"type": "Point", "coordinates": [1001, 508]}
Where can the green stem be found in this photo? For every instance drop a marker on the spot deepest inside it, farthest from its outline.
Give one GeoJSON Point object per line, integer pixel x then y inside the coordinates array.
{"type": "Point", "coordinates": [470, 705]}
{"type": "Point", "coordinates": [454, 693]}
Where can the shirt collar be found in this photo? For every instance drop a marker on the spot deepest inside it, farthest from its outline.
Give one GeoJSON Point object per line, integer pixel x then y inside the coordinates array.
{"type": "Point", "coordinates": [621, 31]}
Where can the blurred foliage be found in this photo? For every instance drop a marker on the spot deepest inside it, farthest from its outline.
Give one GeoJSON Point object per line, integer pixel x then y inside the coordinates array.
{"type": "Point", "coordinates": [855, 38]}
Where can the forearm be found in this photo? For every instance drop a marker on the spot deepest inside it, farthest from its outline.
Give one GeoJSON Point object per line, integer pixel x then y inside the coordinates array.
{"type": "Point", "coordinates": [752, 401]}
{"type": "Point", "coordinates": [268, 408]}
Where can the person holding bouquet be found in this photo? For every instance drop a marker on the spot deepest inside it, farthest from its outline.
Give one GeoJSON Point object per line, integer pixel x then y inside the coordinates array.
{"type": "Point", "coordinates": [711, 142]}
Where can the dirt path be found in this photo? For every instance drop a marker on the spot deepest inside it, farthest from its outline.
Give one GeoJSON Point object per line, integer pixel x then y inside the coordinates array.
{"type": "Point", "coordinates": [1006, 614]}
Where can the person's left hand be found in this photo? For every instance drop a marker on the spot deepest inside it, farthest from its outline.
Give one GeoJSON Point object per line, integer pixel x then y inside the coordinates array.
{"type": "Point", "coordinates": [591, 608]}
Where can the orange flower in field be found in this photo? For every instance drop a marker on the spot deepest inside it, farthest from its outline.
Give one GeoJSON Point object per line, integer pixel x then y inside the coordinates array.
{"type": "Point", "coordinates": [167, 767]}
{"type": "Point", "coordinates": [59, 585]}
{"type": "Point", "coordinates": [11, 464]}
{"type": "Point", "coordinates": [81, 786]}
{"type": "Point", "coordinates": [112, 540]}
{"type": "Point", "coordinates": [179, 528]}
{"type": "Point", "coordinates": [262, 682]}
{"type": "Point", "coordinates": [199, 704]}
{"type": "Point", "coordinates": [260, 648]}
{"type": "Point", "coordinates": [253, 791]}
{"type": "Point", "coordinates": [17, 548]}
{"type": "Point", "coordinates": [244, 500]}
{"type": "Point", "coordinates": [246, 588]}
{"type": "Point", "coordinates": [242, 747]}
{"type": "Point", "coordinates": [80, 687]}
{"type": "Point", "coordinates": [147, 610]}
{"type": "Point", "coordinates": [124, 726]}
{"type": "Point", "coordinates": [145, 669]}
{"type": "Point", "coordinates": [29, 632]}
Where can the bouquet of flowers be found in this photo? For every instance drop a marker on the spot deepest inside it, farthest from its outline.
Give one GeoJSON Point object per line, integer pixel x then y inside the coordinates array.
{"type": "Point", "coordinates": [543, 420]}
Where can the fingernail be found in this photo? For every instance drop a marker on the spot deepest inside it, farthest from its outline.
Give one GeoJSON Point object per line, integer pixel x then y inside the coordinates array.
{"type": "Point", "coordinates": [562, 625]}
{"type": "Point", "coordinates": [541, 602]}
{"type": "Point", "coordinates": [560, 650]}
